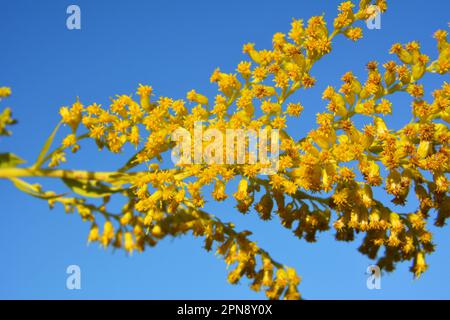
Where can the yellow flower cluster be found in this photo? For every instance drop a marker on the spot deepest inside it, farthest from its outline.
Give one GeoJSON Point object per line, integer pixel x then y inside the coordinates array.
{"type": "Point", "coordinates": [338, 158]}
{"type": "Point", "coordinates": [5, 116]}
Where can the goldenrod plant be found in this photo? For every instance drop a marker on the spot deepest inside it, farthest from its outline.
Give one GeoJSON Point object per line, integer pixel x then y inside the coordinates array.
{"type": "Point", "coordinates": [325, 180]}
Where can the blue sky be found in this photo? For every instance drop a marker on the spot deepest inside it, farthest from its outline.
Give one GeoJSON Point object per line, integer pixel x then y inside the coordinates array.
{"type": "Point", "coordinates": [174, 46]}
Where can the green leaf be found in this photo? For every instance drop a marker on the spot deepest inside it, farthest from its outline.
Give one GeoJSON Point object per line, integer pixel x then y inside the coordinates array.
{"type": "Point", "coordinates": [34, 190]}
{"type": "Point", "coordinates": [10, 160]}
{"type": "Point", "coordinates": [376, 149]}
{"type": "Point", "coordinates": [46, 147]}
{"type": "Point", "coordinates": [89, 189]}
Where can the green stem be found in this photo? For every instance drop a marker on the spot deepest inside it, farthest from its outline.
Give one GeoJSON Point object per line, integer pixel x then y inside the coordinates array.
{"type": "Point", "coordinates": [7, 173]}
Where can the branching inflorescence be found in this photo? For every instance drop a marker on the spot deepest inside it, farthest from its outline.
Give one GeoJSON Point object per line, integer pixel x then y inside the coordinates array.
{"type": "Point", "coordinates": [334, 168]}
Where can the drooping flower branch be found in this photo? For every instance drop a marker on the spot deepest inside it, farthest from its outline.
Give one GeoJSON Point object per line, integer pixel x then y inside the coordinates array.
{"type": "Point", "coordinates": [324, 179]}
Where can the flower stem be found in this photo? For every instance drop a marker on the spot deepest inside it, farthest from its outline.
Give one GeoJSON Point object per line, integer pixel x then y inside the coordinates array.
{"type": "Point", "coordinates": [7, 173]}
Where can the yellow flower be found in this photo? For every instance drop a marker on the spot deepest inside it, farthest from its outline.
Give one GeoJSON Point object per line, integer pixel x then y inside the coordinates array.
{"type": "Point", "coordinates": [244, 69]}
{"type": "Point", "coordinates": [242, 192]}
{"type": "Point", "coordinates": [384, 107]}
{"type": "Point", "coordinates": [341, 197]}
{"type": "Point", "coordinates": [279, 123]}
{"type": "Point", "coordinates": [93, 234]}
{"type": "Point", "coordinates": [126, 218]}
{"type": "Point", "coordinates": [5, 92]}
{"type": "Point", "coordinates": [415, 90]}
{"type": "Point", "coordinates": [219, 193]}
{"type": "Point", "coordinates": [281, 80]}
{"type": "Point", "coordinates": [69, 141]}
{"type": "Point", "coordinates": [259, 74]}
{"type": "Point", "coordinates": [157, 231]}
{"type": "Point", "coordinates": [133, 137]}
{"type": "Point", "coordinates": [196, 97]}
{"type": "Point", "coordinates": [262, 91]}
{"type": "Point", "coordinates": [129, 242]}
{"type": "Point", "coordinates": [57, 158]}
{"type": "Point", "coordinates": [294, 109]}
{"type": "Point", "coordinates": [308, 81]}
{"type": "Point", "coordinates": [108, 233]}
{"type": "Point", "coordinates": [297, 31]}
{"type": "Point", "coordinates": [72, 116]}
{"type": "Point", "coordinates": [145, 92]}
{"type": "Point", "coordinates": [354, 33]}
{"type": "Point", "coordinates": [420, 265]}
{"type": "Point", "coordinates": [249, 48]}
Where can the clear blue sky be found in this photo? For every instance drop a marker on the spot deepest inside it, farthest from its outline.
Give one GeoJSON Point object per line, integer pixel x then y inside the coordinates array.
{"type": "Point", "coordinates": [174, 46]}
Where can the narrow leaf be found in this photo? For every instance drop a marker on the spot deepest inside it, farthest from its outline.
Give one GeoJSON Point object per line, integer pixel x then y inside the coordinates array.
{"type": "Point", "coordinates": [87, 189]}
{"type": "Point", "coordinates": [10, 160]}
{"type": "Point", "coordinates": [47, 145]}
{"type": "Point", "coordinates": [34, 190]}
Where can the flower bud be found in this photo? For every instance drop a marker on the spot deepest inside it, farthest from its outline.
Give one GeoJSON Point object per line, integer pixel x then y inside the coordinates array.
{"type": "Point", "coordinates": [264, 206]}
{"type": "Point", "coordinates": [219, 193]}
{"type": "Point", "coordinates": [424, 149]}
{"type": "Point", "coordinates": [129, 242]}
{"type": "Point", "coordinates": [157, 231]}
{"type": "Point", "coordinates": [380, 126]}
{"type": "Point", "coordinates": [418, 69]}
{"type": "Point", "coordinates": [196, 97]}
{"type": "Point", "coordinates": [144, 92]}
{"type": "Point", "coordinates": [420, 265]}
{"type": "Point", "coordinates": [93, 233]}
{"type": "Point", "coordinates": [242, 192]}
{"type": "Point", "coordinates": [5, 92]}
{"type": "Point", "coordinates": [340, 103]}
{"type": "Point", "coordinates": [389, 77]}
{"type": "Point", "coordinates": [108, 233]}
{"type": "Point", "coordinates": [126, 218]}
